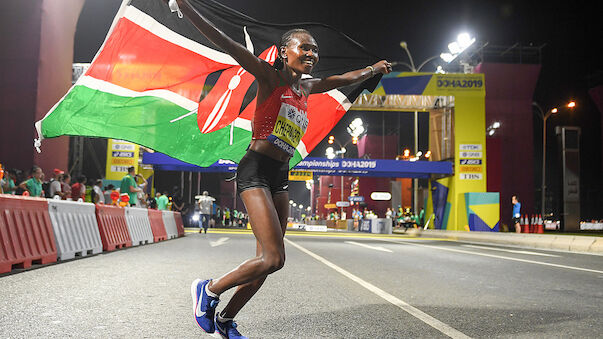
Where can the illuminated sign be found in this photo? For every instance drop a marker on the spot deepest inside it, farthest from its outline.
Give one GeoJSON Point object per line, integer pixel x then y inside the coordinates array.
{"type": "Point", "coordinates": [342, 204]}
{"type": "Point", "coordinates": [381, 196]}
{"type": "Point", "coordinates": [300, 175]}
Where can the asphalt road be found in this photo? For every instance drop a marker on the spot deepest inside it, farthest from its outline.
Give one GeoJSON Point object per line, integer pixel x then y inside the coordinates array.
{"type": "Point", "coordinates": [330, 287]}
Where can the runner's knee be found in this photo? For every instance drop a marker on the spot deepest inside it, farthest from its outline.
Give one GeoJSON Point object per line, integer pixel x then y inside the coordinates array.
{"type": "Point", "coordinates": [273, 262]}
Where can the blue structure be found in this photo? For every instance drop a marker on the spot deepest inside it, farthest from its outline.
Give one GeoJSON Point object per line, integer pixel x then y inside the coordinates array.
{"type": "Point", "coordinates": [322, 166]}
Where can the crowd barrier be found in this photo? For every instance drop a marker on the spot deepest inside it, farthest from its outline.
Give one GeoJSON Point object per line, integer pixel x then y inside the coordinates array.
{"type": "Point", "coordinates": [113, 228]}
{"type": "Point", "coordinates": [42, 231]}
{"type": "Point", "coordinates": [179, 223]}
{"type": "Point", "coordinates": [26, 235]}
{"type": "Point", "coordinates": [157, 226]}
{"type": "Point", "coordinates": [379, 225]}
{"type": "Point", "coordinates": [75, 228]}
{"type": "Point", "coordinates": [139, 226]}
{"type": "Point", "coordinates": [169, 221]}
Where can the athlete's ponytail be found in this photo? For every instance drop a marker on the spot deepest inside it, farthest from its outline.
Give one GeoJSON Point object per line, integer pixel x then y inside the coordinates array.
{"type": "Point", "coordinates": [278, 63]}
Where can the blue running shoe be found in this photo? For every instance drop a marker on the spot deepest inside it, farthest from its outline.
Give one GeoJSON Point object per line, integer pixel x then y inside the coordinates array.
{"type": "Point", "coordinates": [228, 329]}
{"type": "Point", "coordinates": [204, 306]}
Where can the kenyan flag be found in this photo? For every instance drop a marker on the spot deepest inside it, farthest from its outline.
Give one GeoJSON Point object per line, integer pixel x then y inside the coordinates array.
{"type": "Point", "coordinates": [158, 82]}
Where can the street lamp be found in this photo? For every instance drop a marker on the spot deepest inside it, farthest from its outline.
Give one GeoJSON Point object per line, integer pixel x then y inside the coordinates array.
{"type": "Point", "coordinates": [463, 41]}
{"type": "Point", "coordinates": [414, 69]}
{"type": "Point", "coordinates": [544, 117]}
{"type": "Point", "coordinates": [356, 128]}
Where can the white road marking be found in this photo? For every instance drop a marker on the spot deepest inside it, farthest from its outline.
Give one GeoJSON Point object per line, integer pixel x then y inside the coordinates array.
{"type": "Point", "coordinates": [500, 257]}
{"type": "Point", "coordinates": [377, 248]}
{"type": "Point", "coordinates": [219, 242]}
{"type": "Point", "coordinates": [510, 251]}
{"type": "Point", "coordinates": [424, 317]}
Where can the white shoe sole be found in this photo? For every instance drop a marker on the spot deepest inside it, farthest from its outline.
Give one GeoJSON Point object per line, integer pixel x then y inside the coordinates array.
{"type": "Point", "coordinates": [194, 296]}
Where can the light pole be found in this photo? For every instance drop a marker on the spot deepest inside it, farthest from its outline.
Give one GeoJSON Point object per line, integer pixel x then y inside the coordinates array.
{"type": "Point", "coordinates": [331, 153]}
{"type": "Point", "coordinates": [544, 117]}
{"type": "Point", "coordinates": [463, 41]}
{"type": "Point", "coordinates": [414, 69]}
{"type": "Point", "coordinates": [356, 128]}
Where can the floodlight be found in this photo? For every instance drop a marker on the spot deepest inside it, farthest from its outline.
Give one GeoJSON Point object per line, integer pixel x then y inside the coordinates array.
{"type": "Point", "coordinates": [447, 57]}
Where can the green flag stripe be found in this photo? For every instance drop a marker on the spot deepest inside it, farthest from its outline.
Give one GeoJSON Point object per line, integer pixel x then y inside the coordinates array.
{"type": "Point", "coordinates": [145, 121]}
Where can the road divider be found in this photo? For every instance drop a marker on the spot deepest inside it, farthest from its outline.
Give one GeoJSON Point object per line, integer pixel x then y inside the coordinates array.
{"type": "Point", "coordinates": [139, 226]}
{"type": "Point", "coordinates": [157, 226]}
{"type": "Point", "coordinates": [42, 231]}
{"type": "Point", "coordinates": [26, 234]}
{"type": "Point", "coordinates": [75, 228]}
{"type": "Point", "coordinates": [169, 222]}
{"type": "Point", "coordinates": [113, 227]}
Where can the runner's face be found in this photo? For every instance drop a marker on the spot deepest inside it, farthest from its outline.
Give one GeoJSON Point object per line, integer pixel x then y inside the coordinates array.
{"type": "Point", "coordinates": [302, 53]}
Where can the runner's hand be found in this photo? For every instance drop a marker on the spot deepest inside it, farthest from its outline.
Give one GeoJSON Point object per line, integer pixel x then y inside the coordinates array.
{"type": "Point", "coordinates": [383, 67]}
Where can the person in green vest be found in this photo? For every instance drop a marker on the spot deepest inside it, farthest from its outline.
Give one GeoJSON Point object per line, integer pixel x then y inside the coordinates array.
{"type": "Point", "coordinates": [162, 201]}
{"type": "Point", "coordinates": [129, 185]}
{"type": "Point", "coordinates": [8, 182]}
{"type": "Point", "coordinates": [34, 184]}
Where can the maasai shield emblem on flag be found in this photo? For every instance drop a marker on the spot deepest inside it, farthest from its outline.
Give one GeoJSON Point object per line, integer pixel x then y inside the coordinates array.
{"type": "Point", "coordinates": [158, 82]}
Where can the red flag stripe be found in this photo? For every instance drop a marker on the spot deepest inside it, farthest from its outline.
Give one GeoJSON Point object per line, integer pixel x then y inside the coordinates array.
{"type": "Point", "coordinates": [137, 59]}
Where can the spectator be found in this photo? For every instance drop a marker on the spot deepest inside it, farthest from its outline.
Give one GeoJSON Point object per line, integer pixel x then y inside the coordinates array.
{"type": "Point", "coordinates": [162, 201]}
{"type": "Point", "coordinates": [107, 193]}
{"type": "Point", "coordinates": [205, 207]}
{"type": "Point", "coordinates": [78, 190]}
{"type": "Point", "coordinates": [129, 185]}
{"type": "Point", "coordinates": [151, 202]}
{"type": "Point", "coordinates": [226, 216]}
{"type": "Point", "coordinates": [54, 187]}
{"type": "Point", "coordinates": [218, 216]}
{"type": "Point", "coordinates": [8, 183]}
{"type": "Point", "coordinates": [66, 186]}
{"type": "Point", "coordinates": [34, 184]}
{"type": "Point", "coordinates": [516, 213]}
{"type": "Point", "coordinates": [177, 203]}
{"type": "Point", "coordinates": [98, 197]}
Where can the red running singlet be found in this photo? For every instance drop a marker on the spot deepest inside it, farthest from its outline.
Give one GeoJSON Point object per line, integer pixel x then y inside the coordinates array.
{"type": "Point", "coordinates": [282, 119]}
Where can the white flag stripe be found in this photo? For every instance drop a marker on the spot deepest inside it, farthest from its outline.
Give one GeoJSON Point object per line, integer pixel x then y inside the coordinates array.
{"type": "Point", "coordinates": [301, 148]}
{"type": "Point", "coordinates": [242, 123]}
{"type": "Point", "coordinates": [147, 22]}
{"type": "Point", "coordinates": [110, 88]}
{"type": "Point", "coordinates": [340, 98]}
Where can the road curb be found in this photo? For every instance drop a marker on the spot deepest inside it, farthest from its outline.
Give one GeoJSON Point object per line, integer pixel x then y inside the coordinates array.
{"type": "Point", "coordinates": [570, 243]}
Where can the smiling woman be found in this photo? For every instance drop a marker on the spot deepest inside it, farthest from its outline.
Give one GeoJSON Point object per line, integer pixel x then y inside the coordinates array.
{"type": "Point", "coordinates": [279, 122]}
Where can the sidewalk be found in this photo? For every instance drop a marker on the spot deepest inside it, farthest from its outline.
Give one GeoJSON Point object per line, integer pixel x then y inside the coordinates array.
{"type": "Point", "coordinates": [571, 243]}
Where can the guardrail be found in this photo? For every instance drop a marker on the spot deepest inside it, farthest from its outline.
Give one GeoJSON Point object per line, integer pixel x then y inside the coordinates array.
{"type": "Point", "coordinates": [42, 231]}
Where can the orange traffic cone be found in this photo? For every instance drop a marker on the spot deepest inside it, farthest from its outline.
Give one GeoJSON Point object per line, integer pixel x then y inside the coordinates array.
{"type": "Point", "coordinates": [524, 224]}
{"type": "Point", "coordinates": [540, 228]}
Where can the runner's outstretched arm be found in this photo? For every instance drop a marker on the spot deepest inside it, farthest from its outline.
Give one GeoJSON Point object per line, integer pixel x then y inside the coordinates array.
{"type": "Point", "coordinates": [349, 78]}
{"type": "Point", "coordinates": [259, 68]}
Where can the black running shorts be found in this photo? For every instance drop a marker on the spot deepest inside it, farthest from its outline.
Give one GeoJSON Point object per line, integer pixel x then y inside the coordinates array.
{"type": "Point", "coordinates": [259, 170]}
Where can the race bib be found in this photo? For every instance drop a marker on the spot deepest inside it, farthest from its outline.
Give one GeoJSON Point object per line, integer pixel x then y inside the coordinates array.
{"type": "Point", "coordinates": [290, 126]}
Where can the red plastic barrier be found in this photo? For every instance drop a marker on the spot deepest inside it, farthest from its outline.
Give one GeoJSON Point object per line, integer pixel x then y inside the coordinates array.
{"type": "Point", "coordinates": [112, 227]}
{"type": "Point", "coordinates": [157, 226]}
{"type": "Point", "coordinates": [179, 223]}
{"type": "Point", "coordinates": [26, 234]}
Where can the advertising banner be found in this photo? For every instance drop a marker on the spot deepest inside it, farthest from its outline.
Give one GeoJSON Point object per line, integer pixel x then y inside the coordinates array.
{"type": "Point", "coordinates": [300, 175]}
{"type": "Point", "coordinates": [120, 155]}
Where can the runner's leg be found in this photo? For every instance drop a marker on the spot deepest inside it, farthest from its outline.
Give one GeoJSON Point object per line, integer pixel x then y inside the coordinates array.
{"type": "Point", "coordinates": [267, 229]}
{"type": "Point", "coordinates": [246, 291]}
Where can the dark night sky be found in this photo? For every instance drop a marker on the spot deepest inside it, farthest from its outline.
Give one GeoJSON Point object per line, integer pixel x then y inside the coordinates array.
{"type": "Point", "coordinates": [570, 30]}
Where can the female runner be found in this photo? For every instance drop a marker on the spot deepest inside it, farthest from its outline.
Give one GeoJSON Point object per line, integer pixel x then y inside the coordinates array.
{"type": "Point", "coordinates": [262, 174]}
